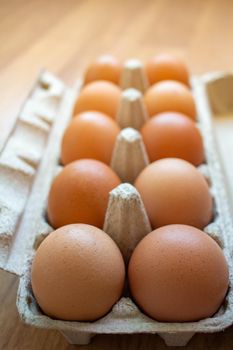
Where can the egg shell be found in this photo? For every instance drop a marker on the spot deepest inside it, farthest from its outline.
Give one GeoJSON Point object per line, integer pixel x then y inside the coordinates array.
{"type": "Point", "coordinates": [170, 96]}
{"type": "Point", "coordinates": [78, 273]}
{"type": "Point", "coordinates": [102, 96]}
{"type": "Point", "coordinates": [166, 67]}
{"type": "Point", "coordinates": [175, 192]}
{"type": "Point", "coordinates": [89, 135]}
{"type": "Point", "coordinates": [79, 193]}
{"type": "Point", "coordinates": [172, 134]}
{"type": "Point", "coordinates": [105, 67]}
{"type": "Point", "coordinates": [177, 273]}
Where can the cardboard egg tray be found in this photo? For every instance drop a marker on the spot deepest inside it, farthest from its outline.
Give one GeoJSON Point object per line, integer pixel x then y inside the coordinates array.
{"type": "Point", "coordinates": [30, 160]}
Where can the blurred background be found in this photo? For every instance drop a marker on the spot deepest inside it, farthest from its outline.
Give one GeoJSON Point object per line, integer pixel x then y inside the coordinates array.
{"type": "Point", "coordinates": [64, 36]}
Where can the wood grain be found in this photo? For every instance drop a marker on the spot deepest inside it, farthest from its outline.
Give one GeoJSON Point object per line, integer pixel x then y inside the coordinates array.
{"type": "Point", "coordinates": [64, 36]}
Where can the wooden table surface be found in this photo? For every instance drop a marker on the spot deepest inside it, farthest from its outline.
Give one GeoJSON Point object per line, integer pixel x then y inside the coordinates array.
{"type": "Point", "coordinates": [65, 35]}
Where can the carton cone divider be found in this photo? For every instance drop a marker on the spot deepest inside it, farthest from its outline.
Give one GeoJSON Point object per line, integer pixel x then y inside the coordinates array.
{"type": "Point", "coordinates": [126, 221]}
{"type": "Point", "coordinates": [132, 112]}
{"type": "Point", "coordinates": [133, 75]}
{"type": "Point", "coordinates": [129, 156]}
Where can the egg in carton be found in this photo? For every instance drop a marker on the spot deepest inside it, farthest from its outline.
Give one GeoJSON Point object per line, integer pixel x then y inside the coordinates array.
{"type": "Point", "coordinates": [31, 158]}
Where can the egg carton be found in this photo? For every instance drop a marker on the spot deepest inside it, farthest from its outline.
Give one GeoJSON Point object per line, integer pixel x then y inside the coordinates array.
{"type": "Point", "coordinates": [46, 107]}
{"type": "Point", "coordinates": [28, 164]}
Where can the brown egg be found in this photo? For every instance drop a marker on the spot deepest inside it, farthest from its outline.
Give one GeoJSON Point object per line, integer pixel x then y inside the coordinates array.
{"type": "Point", "coordinates": [89, 135]}
{"type": "Point", "coordinates": [177, 273]}
{"type": "Point", "coordinates": [78, 273]}
{"type": "Point", "coordinates": [173, 135]}
{"type": "Point", "coordinates": [167, 67]}
{"type": "Point", "coordinates": [102, 96]}
{"type": "Point", "coordinates": [79, 193]}
{"type": "Point", "coordinates": [105, 67]}
{"type": "Point", "coordinates": [175, 192]}
{"type": "Point", "coordinates": [170, 96]}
